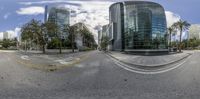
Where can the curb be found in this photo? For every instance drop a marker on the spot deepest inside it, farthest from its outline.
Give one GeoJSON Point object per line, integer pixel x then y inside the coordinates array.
{"type": "Point", "coordinates": [149, 67]}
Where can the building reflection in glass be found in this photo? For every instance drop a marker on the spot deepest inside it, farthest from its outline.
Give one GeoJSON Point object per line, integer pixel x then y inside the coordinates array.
{"type": "Point", "coordinates": [138, 25]}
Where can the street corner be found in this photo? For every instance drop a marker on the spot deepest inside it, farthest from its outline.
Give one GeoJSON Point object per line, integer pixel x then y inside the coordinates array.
{"type": "Point", "coordinates": [70, 61]}
{"type": "Point", "coordinates": [67, 62]}
{"type": "Point", "coordinates": [50, 62]}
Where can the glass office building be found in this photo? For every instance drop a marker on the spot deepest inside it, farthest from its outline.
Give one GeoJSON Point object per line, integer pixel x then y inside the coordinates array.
{"type": "Point", "coordinates": [58, 15]}
{"type": "Point", "coordinates": [138, 26]}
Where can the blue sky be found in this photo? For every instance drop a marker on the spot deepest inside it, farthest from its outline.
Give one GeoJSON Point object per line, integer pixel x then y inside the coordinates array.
{"type": "Point", "coordinates": [14, 13]}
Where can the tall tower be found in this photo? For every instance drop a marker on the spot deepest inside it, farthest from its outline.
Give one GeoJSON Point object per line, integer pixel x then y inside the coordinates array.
{"type": "Point", "coordinates": [60, 16]}
{"type": "Point", "coordinates": [46, 13]}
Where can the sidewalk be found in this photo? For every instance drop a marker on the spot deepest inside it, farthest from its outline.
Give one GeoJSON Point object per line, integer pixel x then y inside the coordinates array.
{"type": "Point", "coordinates": [149, 61]}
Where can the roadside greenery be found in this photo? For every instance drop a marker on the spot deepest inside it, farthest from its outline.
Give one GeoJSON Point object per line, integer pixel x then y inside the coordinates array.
{"type": "Point", "coordinates": [38, 35]}
{"type": "Point", "coordinates": [9, 43]}
{"type": "Point", "coordinates": [171, 31]}
{"type": "Point", "coordinates": [181, 26]}
{"type": "Point", "coordinates": [190, 44]}
{"type": "Point", "coordinates": [104, 43]}
{"type": "Point", "coordinates": [33, 32]}
{"type": "Point", "coordinates": [73, 31]}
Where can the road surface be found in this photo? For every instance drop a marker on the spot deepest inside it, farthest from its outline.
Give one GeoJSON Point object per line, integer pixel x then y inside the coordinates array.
{"type": "Point", "coordinates": [98, 77]}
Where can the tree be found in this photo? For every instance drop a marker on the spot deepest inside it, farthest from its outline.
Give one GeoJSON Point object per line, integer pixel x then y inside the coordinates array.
{"type": "Point", "coordinates": [181, 26]}
{"type": "Point", "coordinates": [104, 43]}
{"type": "Point", "coordinates": [170, 30]}
{"type": "Point", "coordinates": [73, 31]}
{"type": "Point", "coordinates": [41, 34]}
{"type": "Point", "coordinates": [53, 43]}
{"type": "Point", "coordinates": [26, 33]}
{"type": "Point", "coordinates": [6, 43]}
{"type": "Point", "coordinates": [88, 38]}
{"type": "Point", "coordinates": [54, 31]}
{"type": "Point", "coordinates": [33, 31]}
{"type": "Point", "coordinates": [13, 42]}
{"type": "Point", "coordinates": [193, 43]}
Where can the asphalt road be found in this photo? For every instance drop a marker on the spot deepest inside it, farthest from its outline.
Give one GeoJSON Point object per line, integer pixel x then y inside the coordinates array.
{"type": "Point", "coordinates": [98, 77]}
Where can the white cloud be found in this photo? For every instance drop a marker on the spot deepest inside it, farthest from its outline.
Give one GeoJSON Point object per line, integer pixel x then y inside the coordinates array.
{"type": "Point", "coordinates": [71, 2]}
{"type": "Point", "coordinates": [17, 31]}
{"type": "Point", "coordinates": [32, 10]}
{"type": "Point", "coordinates": [171, 18]}
{"type": "Point", "coordinates": [93, 13]}
{"type": "Point", "coordinates": [6, 16]}
{"type": "Point", "coordinates": [40, 2]}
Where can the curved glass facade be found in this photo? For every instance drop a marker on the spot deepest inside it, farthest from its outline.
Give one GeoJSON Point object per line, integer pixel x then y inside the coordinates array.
{"type": "Point", "coordinates": [143, 25]}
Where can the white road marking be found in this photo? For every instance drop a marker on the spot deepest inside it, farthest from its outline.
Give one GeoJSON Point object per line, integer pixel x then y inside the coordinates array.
{"type": "Point", "coordinates": [25, 57]}
{"type": "Point", "coordinates": [62, 62]}
{"type": "Point", "coordinates": [79, 65]}
{"type": "Point", "coordinates": [67, 61]}
{"type": "Point", "coordinates": [7, 51]}
{"type": "Point", "coordinates": [126, 67]}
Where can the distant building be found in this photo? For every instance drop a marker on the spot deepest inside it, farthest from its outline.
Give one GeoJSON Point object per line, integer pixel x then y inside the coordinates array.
{"type": "Point", "coordinates": [58, 15]}
{"type": "Point", "coordinates": [1, 36]}
{"type": "Point", "coordinates": [7, 35]}
{"type": "Point", "coordinates": [194, 31]}
{"type": "Point", "coordinates": [46, 14]}
{"type": "Point", "coordinates": [82, 40]}
{"type": "Point", "coordinates": [105, 30]}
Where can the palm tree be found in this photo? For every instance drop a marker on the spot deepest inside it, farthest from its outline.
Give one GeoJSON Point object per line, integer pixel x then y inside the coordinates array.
{"type": "Point", "coordinates": [181, 26]}
{"type": "Point", "coordinates": [170, 30]}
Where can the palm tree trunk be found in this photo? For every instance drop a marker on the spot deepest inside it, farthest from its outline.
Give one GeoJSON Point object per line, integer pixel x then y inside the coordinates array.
{"type": "Point", "coordinates": [25, 46]}
{"type": "Point", "coordinates": [188, 41]}
{"type": "Point", "coordinates": [180, 42]}
{"type": "Point", "coordinates": [170, 41]}
{"type": "Point", "coordinates": [73, 43]}
{"type": "Point", "coordinates": [60, 47]}
{"type": "Point", "coordinates": [43, 49]}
